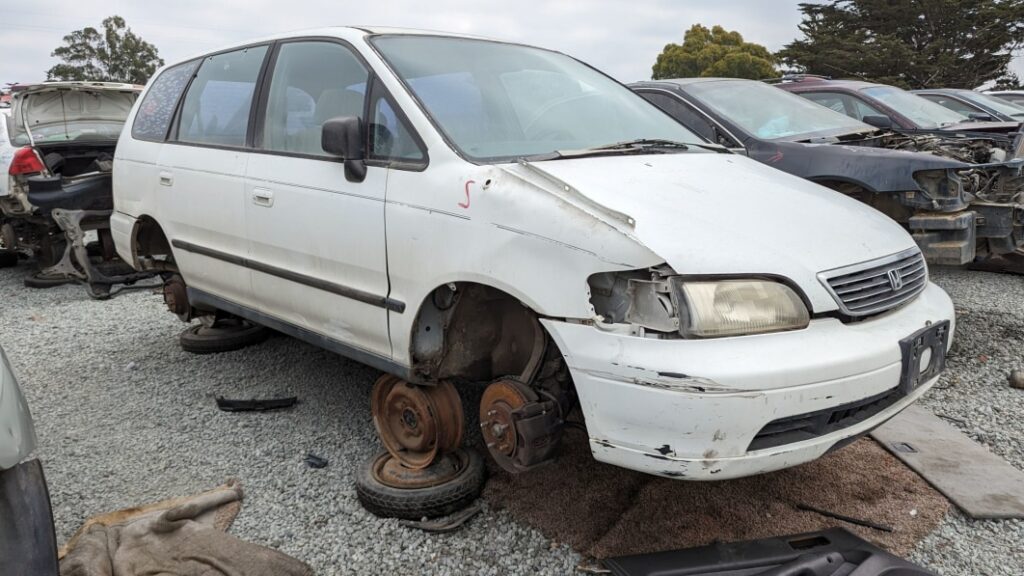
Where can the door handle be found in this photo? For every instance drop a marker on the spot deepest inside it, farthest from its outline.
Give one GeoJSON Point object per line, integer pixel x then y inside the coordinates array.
{"type": "Point", "coordinates": [166, 179]}
{"type": "Point", "coordinates": [262, 197]}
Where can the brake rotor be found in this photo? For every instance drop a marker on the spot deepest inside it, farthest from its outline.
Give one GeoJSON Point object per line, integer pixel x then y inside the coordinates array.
{"type": "Point", "coordinates": [416, 423]}
{"type": "Point", "coordinates": [497, 423]}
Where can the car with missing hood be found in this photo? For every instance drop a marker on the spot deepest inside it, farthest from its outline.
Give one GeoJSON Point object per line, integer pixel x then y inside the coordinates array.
{"type": "Point", "coordinates": [455, 210]}
{"type": "Point", "coordinates": [958, 202]}
{"type": "Point", "coordinates": [28, 544]}
{"type": "Point", "coordinates": [64, 130]}
{"type": "Point", "coordinates": [974, 105]}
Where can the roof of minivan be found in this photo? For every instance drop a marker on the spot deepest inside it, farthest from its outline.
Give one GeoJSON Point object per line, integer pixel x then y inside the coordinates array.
{"type": "Point", "coordinates": [344, 32]}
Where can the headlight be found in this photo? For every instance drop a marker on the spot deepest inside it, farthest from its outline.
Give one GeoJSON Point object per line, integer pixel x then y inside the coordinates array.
{"type": "Point", "coordinates": [658, 303]}
{"type": "Point", "coordinates": [712, 309]}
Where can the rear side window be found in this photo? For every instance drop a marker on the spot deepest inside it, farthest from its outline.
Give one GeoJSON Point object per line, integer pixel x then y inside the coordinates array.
{"type": "Point", "coordinates": [217, 104]}
{"type": "Point", "coordinates": [157, 108]}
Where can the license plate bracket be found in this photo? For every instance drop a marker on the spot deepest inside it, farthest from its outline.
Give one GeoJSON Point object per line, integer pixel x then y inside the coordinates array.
{"type": "Point", "coordinates": [934, 338]}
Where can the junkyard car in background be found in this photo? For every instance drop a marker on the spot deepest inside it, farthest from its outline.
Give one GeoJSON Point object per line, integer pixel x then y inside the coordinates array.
{"type": "Point", "coordinates": [891, 107]}
{"type": "Point", "coordinates": [452, 209]}
{"type": "Point", "coordinates": [1013, 96]}
{"type": "Point", "coordinates": [27, 540]}
{"type": "Point", "coordinates": [959, 205]}
{"type": "Point", "coordinates": [59, 129]}
{"type": "Point", "coordinates": [974, 105]}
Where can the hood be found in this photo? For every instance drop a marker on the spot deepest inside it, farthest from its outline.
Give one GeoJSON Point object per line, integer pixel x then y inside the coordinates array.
{"type": "Point", "coordinates": [708, 213]}
{"type": "Point", "coordinates": [873, 168]}
{"type": "Point", "coordinates": [17, 436]}
{"type": "Point", "coordinates": [71, 111]}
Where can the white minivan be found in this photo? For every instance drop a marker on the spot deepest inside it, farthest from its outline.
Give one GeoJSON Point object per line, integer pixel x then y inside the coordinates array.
{"type": "Point", "coordinates": [457, 211]}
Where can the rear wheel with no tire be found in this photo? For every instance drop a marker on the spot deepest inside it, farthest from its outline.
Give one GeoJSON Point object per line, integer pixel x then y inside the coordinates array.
{"type": "Point", "coordinates": [224, 336]}
{"type": "Point", "coordinates": [389, 489]}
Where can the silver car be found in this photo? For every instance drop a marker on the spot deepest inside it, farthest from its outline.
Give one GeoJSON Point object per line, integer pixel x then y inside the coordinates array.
{"type": "Point", "coordinates": [27, 540]}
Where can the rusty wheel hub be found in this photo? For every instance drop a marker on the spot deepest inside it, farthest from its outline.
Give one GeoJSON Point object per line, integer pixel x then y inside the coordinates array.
{"type": "Point", "coordinates": [497, 424]}
{"type": "Point", "coordinates": [416, 423]}
{"type": "Point", "coordinates": [390, 471]}
{"type": "Point", "coordinates": [176, 296]}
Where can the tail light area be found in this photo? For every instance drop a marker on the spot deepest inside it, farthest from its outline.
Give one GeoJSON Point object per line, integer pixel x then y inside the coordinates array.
{"type": "Point", "coordinates": [26, 162]}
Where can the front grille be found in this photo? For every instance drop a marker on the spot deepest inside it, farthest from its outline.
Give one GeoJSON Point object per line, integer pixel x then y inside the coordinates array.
{"type": "Point", "coordinates": [877, 286]}
{"type": "Point", "coordinates": [814, 424]}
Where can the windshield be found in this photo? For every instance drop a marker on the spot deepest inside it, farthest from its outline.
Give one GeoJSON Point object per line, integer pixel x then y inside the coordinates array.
{"type": "Point", "coordinates": [993, 103]}
{"type": "Point", "coordinates": [770, 113]}
{"type": "Point", "coordinates": [70, 115]}
{"type": "Point", "coordinates": [923, 112]}
{"type": "Point", "coordinates": [499, 102]}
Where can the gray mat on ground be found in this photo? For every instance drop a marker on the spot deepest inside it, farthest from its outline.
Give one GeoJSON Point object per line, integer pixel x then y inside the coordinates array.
{"type": "Point", "coordinates": [180, 536]}
{"type": "Point", "coordinates": [605, 511]}
{"type": "Point", "coordinates": [980, 483]}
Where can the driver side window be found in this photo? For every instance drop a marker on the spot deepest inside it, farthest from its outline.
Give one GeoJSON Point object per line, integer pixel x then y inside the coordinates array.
{"type": "Point", "coordinates": [312, 82]}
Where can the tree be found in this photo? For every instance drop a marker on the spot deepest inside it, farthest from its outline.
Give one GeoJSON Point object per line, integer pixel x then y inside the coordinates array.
{"type": "Point", "coordinates": [1009, 82]}
{"type": "Point", "coordinates": [910, 43]}
{"type": "Point", "coordinates": [116, 55]}
{"type": "Point", "coordinates": [714, 52]}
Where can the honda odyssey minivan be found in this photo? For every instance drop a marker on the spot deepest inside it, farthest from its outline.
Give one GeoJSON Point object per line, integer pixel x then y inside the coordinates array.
{"type": "Point", "coordinates": [456, 211]}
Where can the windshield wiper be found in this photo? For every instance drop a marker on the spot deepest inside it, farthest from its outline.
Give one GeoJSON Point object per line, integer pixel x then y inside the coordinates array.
{"type": "Point", "coordinates": [638, 146]}
{"type": "Point", "coordinates": [641, 144]}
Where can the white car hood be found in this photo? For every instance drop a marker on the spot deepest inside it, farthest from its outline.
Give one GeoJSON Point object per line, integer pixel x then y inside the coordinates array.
{"type": "Point", "coordinates": [708, 213]}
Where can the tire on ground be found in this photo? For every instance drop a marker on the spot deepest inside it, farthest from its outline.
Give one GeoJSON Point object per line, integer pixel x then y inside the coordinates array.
{"type": "Point", "coordinates": [416, 503]}
{"type": "Point", "coordinates": [37, 281]}
{"type": "Point", "coordinates": [202, 340]}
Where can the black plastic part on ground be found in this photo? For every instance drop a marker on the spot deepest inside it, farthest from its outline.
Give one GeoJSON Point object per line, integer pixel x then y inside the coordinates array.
{"type": "Point", "coordinates": [417, 503]}
{"type": "Point", "coordinates": [231, 405]}
{"type": "Point", "coordinates": [834, 552]}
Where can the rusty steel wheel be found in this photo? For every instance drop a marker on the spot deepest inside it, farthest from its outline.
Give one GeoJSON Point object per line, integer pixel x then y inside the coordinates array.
{"type": "Point", "coordinates": [498, 427]}
{"type": "Point", "coordinates": [387, 488]}
{"type": "Point", "coordinates": [416, 423]}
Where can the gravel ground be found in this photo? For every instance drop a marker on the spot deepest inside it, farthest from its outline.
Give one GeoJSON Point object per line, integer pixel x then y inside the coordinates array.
{"type": "Point", "coordinates": [975, 397]}
{"type": "Point", "coordinates": [125, 417]}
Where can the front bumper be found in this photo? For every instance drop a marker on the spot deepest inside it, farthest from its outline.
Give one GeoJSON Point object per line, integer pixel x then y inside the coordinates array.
{"type": "Point", "coordinates": [691, 408]}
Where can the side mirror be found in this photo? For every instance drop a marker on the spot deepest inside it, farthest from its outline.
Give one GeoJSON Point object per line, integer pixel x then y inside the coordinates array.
{"type": "Point", "coordinates": [981, 117]}
{"type": "Point", "coordinates": [878, 121]}
{"type": "Point", "coordinates": [343, 136]}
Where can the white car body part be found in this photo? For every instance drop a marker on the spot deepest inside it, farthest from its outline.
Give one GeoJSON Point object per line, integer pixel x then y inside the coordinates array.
{"type": "Point", "coordinates": [17, 435]}
{"type": "Point", "coordinates": [6, 151]}
{"type": "Point", "coordinates": [285, 239]}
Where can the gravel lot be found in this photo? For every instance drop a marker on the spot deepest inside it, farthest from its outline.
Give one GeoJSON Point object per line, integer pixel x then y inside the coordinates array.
{"type": "Point", "coordinates": [125, 417]}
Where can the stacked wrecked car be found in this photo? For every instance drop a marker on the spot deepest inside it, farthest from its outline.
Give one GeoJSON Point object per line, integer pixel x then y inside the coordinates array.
{"type": "Point", "coordinates": [957, 187]}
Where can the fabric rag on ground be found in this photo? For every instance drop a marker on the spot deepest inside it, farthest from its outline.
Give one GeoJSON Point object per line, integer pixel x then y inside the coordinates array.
{"type": "Point", "coordinates": [605, 511]}
{"type": "Point", "coordinates": [178, 536]}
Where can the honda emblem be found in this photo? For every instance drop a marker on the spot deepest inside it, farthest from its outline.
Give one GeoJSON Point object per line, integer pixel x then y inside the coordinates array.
{"type": "Point", "coordinates": [895, 280]}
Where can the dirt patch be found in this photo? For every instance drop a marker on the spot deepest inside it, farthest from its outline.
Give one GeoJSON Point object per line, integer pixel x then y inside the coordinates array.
{"type": "Point", "coordinates": [605, 511]}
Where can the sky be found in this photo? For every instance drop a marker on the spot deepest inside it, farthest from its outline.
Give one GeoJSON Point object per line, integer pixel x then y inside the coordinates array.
{"type": "Point", "coordinates": [620, 37]}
